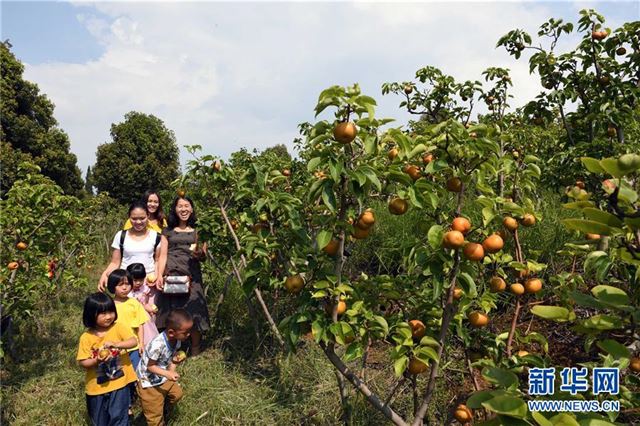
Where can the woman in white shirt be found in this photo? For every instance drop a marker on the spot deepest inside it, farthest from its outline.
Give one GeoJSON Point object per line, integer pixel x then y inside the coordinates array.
{"type": "Point", "coordinates": [140, 245]}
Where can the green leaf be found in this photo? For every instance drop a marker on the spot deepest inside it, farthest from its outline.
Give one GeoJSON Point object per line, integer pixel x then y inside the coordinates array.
{"type": "Point", "coordinates": [602, 217]}
{"type": "Point", "coordinates": [360, 177]}
{"type": "Point", "coordinates": [596, 422]}
{"type": "Point", "coordinates": [418, 149]}
{"type": "Point", "coordinates": [553, 313]}
{"type": "Point", "coordinates": [563, 419]}
{"type": "Point", "coordinates": [578, 205]}
{"type": "Point", "coordinates": [609, 294]}
{"type": "Point", "coordinates": [317, 330]}
{"type": "Point", "coordinates": [336, 168]}
{"type": "Point", "coordinates": [536, 337]}
{"type": "Point", "coordinates": [323, 239]}
{"type": "Point", "coordinates": [488, 213]}
{"type": "Point", "coordinates": [322, 284]}
{"type": "Point", "coordinates": [373, 178]}
{"type": "Point", "coordinates": [425, 354]}
{"type": "Point", "coordinates": [353, 352]}
{"type": "Point", "coordinates": [598, 262]}
{"type": "Point", "coordinates": [468, 284]}
{"type": "Point", "coordinates": [341, 331]}
{"type": "Point", "coordinates": [382, 324]}
{"type": "Point", "coordinates": [586, 300]}
{"type": "Point", "coordinates": [413, 197]}
{"type": "Point", "coordinates": [627, 195]}
{"type": "Point", "coordinates": [632, 222]}
{"type": "Point", "coordinates": [535, 170]}
{"type": "Point", "coordinates": [588, 226]}
{"type": "Point", "coordinates": [617, 350]}
{"type": "Point", "coordinates": [475, 401]}
{"type": "Point", "coordinates": [429, 341]}
{"type": "Point", "coordinates": [435, 235]}
{"type": "Point", "coordinates": [507, 405]}
{"type": "Point", "coordinates": [611, 166]}
{"type": "Point", "coordinates": [400, 365]}
{"type": "Point", "coordinates": [370, 111]}
{"type": "Point", "coordinates": [402, 178]}
{"type": "Point", "coordinates": [328, 197]}
{"type": "Point", "coordinates": [592, 165]}
{"type": "Point", "coordinates": [602, 322]}
{"type": "Point", "coordinates": [540, 419]}
{"type": "Point", "coordinates": [370, 144]}
{"type": "Point", "coordinates": [401, 139]}
{"type": "Point", "coordinates": [504, 378]}
{"type": "Point", "coordinates": [315, 187]}
{"type": "Point", "coordinates": [313, 164]}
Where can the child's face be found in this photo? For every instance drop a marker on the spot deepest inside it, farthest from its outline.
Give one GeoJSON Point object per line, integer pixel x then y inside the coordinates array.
{"type": "Point", "coordinates": [182, 333]}
{"type": "Point", "coordinates": [137, 283]}
{"type": "Point", "coordinates": [122, 289]}
{"type": "Point", "coordinates": [105, 319]}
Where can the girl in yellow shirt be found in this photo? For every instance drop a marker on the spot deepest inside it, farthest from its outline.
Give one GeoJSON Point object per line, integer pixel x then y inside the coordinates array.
{"type": "Point", "coordinates": [130, 312]}
{"type": "Point", "coordinates": [102, 353]}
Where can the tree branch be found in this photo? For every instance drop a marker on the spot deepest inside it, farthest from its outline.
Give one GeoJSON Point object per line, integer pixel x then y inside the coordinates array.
{"type": "Point", "coordinates": [361, 386]}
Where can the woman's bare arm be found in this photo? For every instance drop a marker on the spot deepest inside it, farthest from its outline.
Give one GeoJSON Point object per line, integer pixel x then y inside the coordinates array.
{"type": "Point", "coordinates": [116, 259]}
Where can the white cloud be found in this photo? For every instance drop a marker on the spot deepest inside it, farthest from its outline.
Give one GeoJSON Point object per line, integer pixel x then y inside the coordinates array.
{"type": "Point", "coordinates": [227, 75]}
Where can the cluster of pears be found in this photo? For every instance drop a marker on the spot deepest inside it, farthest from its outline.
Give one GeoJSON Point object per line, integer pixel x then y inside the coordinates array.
{"type": "Point", "coordinates": [12, 266]}
{"type": "Point", "coordinates": [362, 227]}
{"type": "Point", "coordinates": [455, 239]}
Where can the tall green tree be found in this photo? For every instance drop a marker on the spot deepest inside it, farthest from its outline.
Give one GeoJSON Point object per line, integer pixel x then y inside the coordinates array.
{"type": "Point", "coordinates": [29, 130]}
{"type": "Point", "coordinates": [88, 183]}
{"type": "Point", "coordinates": [142, 155]}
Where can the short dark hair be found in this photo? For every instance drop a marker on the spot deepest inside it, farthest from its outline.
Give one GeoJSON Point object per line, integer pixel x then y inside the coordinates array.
{"type": "Point", "coordinates": [137, 271]}
{"type": "Point", "coordinates": [177, 318]}
{"type": "Point", "coordinates": [173, 220]}
{"type": "Point", "coordinates": [95, 304]}
{"type": "Point", "coordinates": [137, 204]}
{"type": "Point", "coordinates": [115, 278]}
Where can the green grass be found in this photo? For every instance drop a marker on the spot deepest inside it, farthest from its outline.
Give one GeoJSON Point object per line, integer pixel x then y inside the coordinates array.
{"type": "Point", "coordinates": [234, 381]}
{"type": "Point", "coordinates": [45, 386]}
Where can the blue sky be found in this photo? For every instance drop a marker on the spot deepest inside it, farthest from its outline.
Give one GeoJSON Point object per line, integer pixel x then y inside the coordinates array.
{"type": "Point", "coordinates": [48, 31]}
{"type": "Point", "coordinates": [231, 75]}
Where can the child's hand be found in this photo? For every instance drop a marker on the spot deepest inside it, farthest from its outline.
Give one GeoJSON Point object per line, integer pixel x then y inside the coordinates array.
{"type": "Point", "coordinates": [172, 375]}
{"type": "Point", "coordinates": [151, 309]}
{"type": "Point", "coordinates": [104, 355]}
{"type": "Point", "coordinates": [179, 357]}
{"type": "Point", "coordinates": [109, 344]}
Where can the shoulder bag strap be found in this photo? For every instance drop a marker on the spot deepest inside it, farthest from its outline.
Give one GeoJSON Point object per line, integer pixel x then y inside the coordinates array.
{"type": "Point", "coordinates": [158, 238]}
{"type": "Point", "coordinates": [123, 234]}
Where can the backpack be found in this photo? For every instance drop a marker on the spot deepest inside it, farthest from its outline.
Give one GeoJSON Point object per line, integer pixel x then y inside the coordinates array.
{"type": "Point", "coordinates": [123, 234]}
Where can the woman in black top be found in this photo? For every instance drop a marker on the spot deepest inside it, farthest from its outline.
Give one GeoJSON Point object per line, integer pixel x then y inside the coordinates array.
{"type": "Point", "coordinates": [181, 255]}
